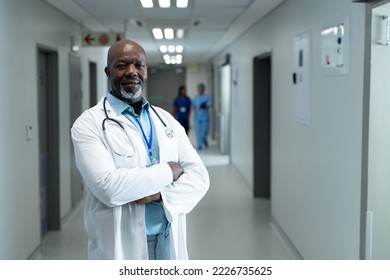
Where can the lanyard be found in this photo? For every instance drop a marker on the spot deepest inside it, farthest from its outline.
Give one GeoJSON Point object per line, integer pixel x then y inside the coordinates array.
{"type": "Point", "coordinates": [148, 143]}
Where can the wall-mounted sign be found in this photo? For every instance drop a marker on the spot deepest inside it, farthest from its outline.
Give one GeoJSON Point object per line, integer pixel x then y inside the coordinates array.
{"type": "Point", "coordinates": [335, 48]}
{"type": "Point", "coordinates": [101, 39]}
{"type": "Point", "coordinates": [302, 78]}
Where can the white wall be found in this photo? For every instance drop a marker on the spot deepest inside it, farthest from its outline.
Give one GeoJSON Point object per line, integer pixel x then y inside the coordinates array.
{"type": "Point", "coordinates": [316, 169]}
{"type": "Point", "coordinates": [195, 75]}
{"type": "Point", "coordinates": [23, 25]}
{"type": "Point", "coordinates": [97, 55]}
{"type": "Point", "coordinates": [379, 148]}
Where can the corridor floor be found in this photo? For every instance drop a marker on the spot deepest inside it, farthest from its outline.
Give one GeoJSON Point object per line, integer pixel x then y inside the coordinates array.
{"type": "Point", "coordinates": [227, 224]}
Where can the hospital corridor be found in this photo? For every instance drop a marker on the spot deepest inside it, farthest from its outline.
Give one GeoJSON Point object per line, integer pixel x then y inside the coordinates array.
{"type": "Point", "coordinates": [293, 94]}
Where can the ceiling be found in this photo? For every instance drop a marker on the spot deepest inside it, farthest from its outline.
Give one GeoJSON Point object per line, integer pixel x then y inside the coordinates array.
{"type": "Point", "coordinates": [210, 25]}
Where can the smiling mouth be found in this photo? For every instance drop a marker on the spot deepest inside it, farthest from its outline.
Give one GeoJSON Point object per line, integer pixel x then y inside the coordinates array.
{"type": "Point", "coordinates": [131, 83]}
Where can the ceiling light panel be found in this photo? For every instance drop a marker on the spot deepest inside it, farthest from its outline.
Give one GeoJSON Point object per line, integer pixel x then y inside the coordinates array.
{"type": "Point", "coordinates": [164, 3]}
{"type": "Point", "coordinates": [157, 33]}
{"type": "Point", "coordinates": [181, 3]}
{"type": "Point", "coordinates": [168, 33]}
{"type": "Point", "coordinates": [180, 33]}
{"type": "Point", "coordinates": [147, 3]}
{"type": "Point", "coordinates": [179, 48]}
{"type": "Point", "coordinates": [163, 49]}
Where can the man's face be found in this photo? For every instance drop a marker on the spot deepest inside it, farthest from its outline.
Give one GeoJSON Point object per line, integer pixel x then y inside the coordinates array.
{"type": "Point", "coordinates": [127, 71]}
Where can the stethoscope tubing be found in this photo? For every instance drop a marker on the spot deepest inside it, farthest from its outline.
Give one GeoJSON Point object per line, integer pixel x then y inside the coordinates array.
{"type": "Point", "coordinates": [108, 118]}
{"type": "Point", "coordinates": [121, 125]}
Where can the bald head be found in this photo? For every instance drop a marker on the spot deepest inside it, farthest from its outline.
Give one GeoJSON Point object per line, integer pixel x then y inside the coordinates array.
{"type": "Point", "coordinates": [124, 45]}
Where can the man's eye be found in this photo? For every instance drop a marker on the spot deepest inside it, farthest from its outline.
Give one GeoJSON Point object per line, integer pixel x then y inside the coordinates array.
{"type": "Point", "coordinates": [120, 66]}
{"type": "Point", "coordinates": [139, 65]}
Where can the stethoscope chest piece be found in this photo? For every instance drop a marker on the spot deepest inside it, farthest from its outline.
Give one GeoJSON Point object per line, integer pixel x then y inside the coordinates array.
{"type": "Point", "coordinates": [169, 132]}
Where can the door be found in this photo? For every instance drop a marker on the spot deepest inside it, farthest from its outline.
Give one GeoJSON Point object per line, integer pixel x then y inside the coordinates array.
{"type": "Point", "coordinates": [92, 84]}
{"type": "Point", "coordinates": [48, 139]}
{"type": "Point", "coordinates": [75, 112]}
{"type": "Point", "coordinates": [262, 125]}
{"type": "Point", "coordinates": [377, 242]}
{"type": "Point", "coordinates": [43, 141]}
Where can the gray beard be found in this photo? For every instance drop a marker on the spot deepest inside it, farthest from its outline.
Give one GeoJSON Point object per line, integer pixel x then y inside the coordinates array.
{"type": "Point", "coordinates": [131, 95]}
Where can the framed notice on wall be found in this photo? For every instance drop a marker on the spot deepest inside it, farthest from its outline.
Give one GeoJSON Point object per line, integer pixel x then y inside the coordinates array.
{"type": "Point", "coordinates": [335, 48]}
{"type": "Point", "coordinates": [302, 78]}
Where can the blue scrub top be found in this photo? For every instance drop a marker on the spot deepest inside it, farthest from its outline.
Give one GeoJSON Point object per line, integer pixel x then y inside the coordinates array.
{"type": "Point", "coordinates": [197, 101]}
{"type": "Point", "coordinates": [183, 107]}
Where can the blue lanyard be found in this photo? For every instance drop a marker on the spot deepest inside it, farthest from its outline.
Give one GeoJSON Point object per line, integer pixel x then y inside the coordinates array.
{"type": "Point", "coordinates": [148, 143]}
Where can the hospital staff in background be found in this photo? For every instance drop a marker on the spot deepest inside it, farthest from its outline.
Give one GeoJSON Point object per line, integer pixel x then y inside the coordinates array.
{"type": "Point", "coordinates": [143, 174]}
{"type": "Point", "coordinates": [182, 108]}
{"type": "Point", "coordinates": [201, 104]}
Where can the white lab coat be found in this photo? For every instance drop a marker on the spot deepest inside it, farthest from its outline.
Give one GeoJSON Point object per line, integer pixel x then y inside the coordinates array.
{"type": "Point", "coordinates": [113, 166]}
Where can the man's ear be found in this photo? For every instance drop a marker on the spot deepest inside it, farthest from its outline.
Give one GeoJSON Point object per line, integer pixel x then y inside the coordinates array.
{"type": "Point", "coordinates": [107, 71]}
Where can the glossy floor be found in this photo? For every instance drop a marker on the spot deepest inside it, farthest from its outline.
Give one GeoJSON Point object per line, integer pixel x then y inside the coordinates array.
{"type": "Point", "coordinates": [228, 223]}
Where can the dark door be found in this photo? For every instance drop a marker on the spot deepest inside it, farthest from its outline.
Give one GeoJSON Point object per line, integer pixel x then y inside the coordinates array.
{"type": "Point", "coordinates": [92, 84]}
{"type": "Point", "coordinates": [48, 140]}
{"type": "Point", "coordinates": [262, 125]}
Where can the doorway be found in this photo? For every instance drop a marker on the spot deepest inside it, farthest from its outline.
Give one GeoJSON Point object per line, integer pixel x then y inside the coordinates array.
{"type": "Point", "coordinates": [75, 112]}
{"type": "Point", "coordinates": [262, 125]}
{"type": "Point", "coordinates": [92, 84]}
{"type": "Point", "coordinates": [163, 85]}
{"type": "Point", "coordinates": [48, 120]}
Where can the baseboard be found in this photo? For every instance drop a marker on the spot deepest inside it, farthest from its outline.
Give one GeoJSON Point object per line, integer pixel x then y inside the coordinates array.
{"type": "Point", "coordinates": [36, 255]}
{"type": "Point", "coordinates": [285, 240]}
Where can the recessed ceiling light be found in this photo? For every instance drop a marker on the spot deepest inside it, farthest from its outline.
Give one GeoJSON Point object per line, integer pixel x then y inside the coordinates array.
{"type": "Point", "coordinates": [164, 3]}
{"type": "Point", "coordinates": [157, 33]}
{"type": "Point", "coordinates": [181, 3]}
{"type": "Point", "coordinates": [180, 33]}
{"type": "Point", "coordinates": [168, 33]}
{"type": "Point", "coordinates": [147, 3]}
{"type": "Point", "coordinates": [179, 48]}
{"type": "Point", "coordinates": [163, 48]}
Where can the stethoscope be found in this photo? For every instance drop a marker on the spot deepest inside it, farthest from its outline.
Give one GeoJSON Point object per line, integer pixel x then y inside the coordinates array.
{"type": "Point", "coordinates": [168, 131]}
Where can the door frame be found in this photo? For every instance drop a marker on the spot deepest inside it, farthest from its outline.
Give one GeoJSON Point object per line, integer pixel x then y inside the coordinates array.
{"type": "Point", "coordinates": [54, 220]}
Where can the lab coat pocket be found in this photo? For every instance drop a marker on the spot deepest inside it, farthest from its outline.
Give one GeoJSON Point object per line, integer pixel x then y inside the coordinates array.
{"type": "Point", "coordinates": [100, 228]}
{"type": "Point", "coordinates": [119, 141]}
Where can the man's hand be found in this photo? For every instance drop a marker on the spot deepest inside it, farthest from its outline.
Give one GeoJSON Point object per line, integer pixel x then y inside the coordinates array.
{"type": "Point", "coordinates": [177, 169]}
{"type": "Point", "coordinates": [150, 198]}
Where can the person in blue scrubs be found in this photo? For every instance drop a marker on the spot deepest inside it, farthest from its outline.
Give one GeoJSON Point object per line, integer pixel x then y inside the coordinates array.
{"type": "Point", "coordinates": [201, 104]}
{"type": "Point", "coordinates": [182, 108]}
